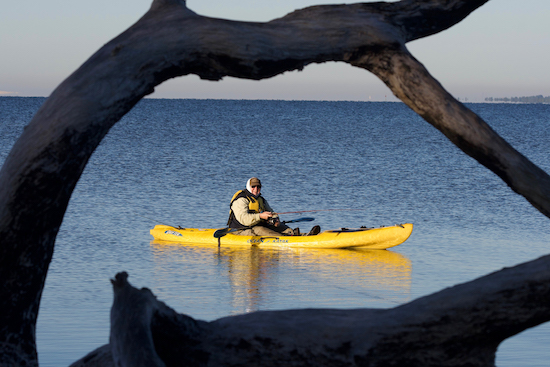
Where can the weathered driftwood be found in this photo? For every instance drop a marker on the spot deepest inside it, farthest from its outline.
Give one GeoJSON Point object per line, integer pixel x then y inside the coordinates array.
{"type": "Point", "coordinates": [459, 326]}
{"type": "Point", "coordinates": [41, 171]}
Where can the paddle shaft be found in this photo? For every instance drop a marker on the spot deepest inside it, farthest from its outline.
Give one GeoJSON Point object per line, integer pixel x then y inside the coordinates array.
{"type": "Point", "coordinates": [222, 232]}
{"type": "Point", "coordinates": [306, 219]}
{"type": "Point", "coordinates": [319, 210]}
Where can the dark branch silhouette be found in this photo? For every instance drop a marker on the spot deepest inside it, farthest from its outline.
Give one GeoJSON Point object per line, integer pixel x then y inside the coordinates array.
{"type": "Point", "coordinates": [40, 173]}
{"type": "Point", "coordinates": [459, 326]}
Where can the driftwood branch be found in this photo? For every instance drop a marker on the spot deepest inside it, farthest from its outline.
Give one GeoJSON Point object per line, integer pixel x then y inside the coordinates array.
{"type": "Point", "coordinates": [40, 173]}
{"type": "Point", "coordinates": [459, 326]}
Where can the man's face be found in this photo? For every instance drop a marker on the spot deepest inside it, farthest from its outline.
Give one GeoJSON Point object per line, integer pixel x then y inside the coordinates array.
{"type": "Point", "coordinates": [256, 190]}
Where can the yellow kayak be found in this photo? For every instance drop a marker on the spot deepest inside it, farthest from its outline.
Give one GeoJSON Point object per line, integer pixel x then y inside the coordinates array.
{"type": "Point", "coordinates": [370, 238]}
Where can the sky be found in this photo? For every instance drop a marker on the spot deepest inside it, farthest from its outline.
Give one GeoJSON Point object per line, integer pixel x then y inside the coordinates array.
{"type": "Point", "coordinates": [500, 50]}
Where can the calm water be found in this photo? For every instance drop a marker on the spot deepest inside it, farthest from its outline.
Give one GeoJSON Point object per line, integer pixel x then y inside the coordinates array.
{"type": "Point", "coordinates": [179, 162]}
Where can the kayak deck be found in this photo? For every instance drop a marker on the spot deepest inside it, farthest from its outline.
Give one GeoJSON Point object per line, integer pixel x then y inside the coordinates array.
{"type": "Point", "coordinates": [372, 238]}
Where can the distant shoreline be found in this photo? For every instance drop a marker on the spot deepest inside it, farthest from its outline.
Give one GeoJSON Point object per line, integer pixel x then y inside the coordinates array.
{"type": "Point", "coordinates": [530, 99]}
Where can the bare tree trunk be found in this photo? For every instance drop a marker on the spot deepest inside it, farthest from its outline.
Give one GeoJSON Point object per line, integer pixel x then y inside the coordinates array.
{"type": "Point", "coordinates": [457, 327]}
{"type": "Point", "coordinates": [40, 173]}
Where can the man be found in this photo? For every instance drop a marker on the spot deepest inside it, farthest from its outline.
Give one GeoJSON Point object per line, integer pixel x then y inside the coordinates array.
{"type": "Point", "coordinates": [251, 213]}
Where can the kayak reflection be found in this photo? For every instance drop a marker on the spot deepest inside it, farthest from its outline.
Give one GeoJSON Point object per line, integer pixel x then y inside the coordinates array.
{"type": "Point", "coordinates": [267, 278]}
{"type": "Point", "coordinates": [381, 276]}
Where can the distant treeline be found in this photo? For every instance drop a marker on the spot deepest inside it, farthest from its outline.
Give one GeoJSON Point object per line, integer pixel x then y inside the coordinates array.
{"type": "Point", "coordinates": [531, 99]}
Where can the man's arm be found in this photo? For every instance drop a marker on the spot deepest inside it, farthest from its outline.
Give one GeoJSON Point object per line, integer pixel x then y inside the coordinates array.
{"type": "Point", "coordinates": [240, 209]}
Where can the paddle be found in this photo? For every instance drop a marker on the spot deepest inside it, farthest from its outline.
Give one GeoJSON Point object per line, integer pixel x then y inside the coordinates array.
{"type": "Point", "coordinates": [319, 210]}
{"type": "Point", "coordinates": [222, 232]}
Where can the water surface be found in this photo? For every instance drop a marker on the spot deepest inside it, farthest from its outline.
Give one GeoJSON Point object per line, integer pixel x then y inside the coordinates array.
{"type": "Point", "coordinates": [179, 162]}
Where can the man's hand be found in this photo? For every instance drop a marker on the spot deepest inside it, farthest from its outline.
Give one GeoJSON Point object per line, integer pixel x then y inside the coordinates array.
{"type": "Point", "coordinates": [265, 215]}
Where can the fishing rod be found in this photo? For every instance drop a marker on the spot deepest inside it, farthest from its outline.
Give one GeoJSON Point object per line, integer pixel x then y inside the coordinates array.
{"type": "Point", "coordinates": [319, 210]}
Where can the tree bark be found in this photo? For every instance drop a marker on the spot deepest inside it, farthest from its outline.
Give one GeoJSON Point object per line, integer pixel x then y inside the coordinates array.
{"type": "Point", "coordinates": [457, 327]}
{"type": "Point", "coordinates": [41, 171]}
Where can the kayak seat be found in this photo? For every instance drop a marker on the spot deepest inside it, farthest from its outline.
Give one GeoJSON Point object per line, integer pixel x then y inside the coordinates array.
{"type": "Point", "coordinates": [315, 230]}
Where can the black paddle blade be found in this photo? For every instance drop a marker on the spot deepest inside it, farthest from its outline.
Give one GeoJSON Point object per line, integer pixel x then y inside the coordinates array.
{"type": "Point", "coordinates": [221, 232]}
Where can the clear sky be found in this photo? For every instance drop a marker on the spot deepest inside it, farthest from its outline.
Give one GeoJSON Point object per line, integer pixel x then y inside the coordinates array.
{"type": "Point", "coordinates": [501, 50]}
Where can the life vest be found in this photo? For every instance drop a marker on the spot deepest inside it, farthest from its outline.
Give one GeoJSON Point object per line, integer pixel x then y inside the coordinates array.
{"type": "Point", "coordinates": [255, 205]}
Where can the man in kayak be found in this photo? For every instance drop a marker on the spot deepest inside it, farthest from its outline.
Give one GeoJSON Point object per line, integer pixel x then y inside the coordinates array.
{"type": "Point", "coordinates": [251, 213]}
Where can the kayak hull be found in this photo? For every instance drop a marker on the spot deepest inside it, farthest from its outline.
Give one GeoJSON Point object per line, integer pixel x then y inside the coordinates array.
{"type": "Point", "coordinates": [369, 238]}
